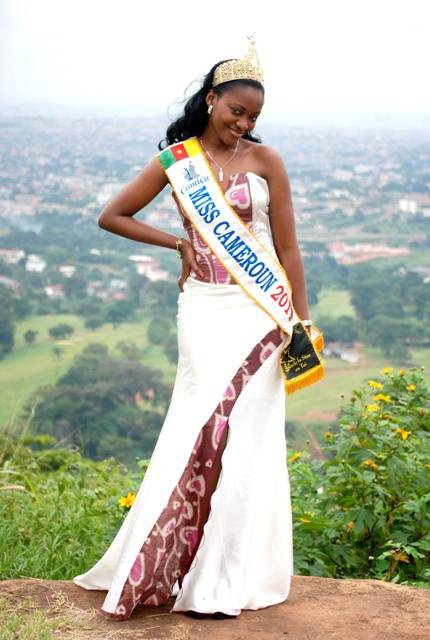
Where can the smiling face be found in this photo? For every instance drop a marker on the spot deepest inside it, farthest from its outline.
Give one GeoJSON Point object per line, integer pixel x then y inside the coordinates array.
{"type": "Point", "coordinates": [235, 112]}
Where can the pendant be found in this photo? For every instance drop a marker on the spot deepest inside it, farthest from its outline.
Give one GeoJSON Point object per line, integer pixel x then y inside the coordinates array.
{"type": "Point", "coordinates": [220, 175]}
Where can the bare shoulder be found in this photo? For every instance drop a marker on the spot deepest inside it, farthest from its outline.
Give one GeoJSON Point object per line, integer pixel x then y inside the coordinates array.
{"type": "Point", "coordinates": [267, 161]}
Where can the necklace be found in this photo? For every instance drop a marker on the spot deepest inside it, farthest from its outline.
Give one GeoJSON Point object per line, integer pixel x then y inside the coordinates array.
{"type": "Point", "coordinates": [220, 169]}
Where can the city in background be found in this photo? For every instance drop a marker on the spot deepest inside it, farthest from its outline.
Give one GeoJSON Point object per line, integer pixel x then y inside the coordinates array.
{"type": "Point", "coordinates": [77, 302]}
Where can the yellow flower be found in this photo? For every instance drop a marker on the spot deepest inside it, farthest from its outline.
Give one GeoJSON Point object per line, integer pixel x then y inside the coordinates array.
{"type": "Point", "coordinates": [372, 407]}
{"type": "Point", "coordinates": [370, 463]}
{"type": "Point", "coordinates": [422, 412]}
{"type": "Point", "coordinates": [352, 427]}
{"type": "Point", "coordinates": [296, 456]}
{"type": "Point", "coordinates": [401, 373]}
{"type": "Point", "coordinates": [401, 557]}
{"type": "Point", "coordinates": [381, 398]}
{"type": "Point", "coordinates": [375, 385]}
{"type": "Point", "coordinates": [127, 501]}
{"type": "Point", "coordinates": [405, 434]}
{"type": "Point", "coordinates": [411, 387]}
{"type": "Point", "coordinates": [387, 370]}
{"type": "Point", "coordinates": [350, 525]}
{"type": "Point", "coordinates": [328, 434]}
{"type": "Point", "coordinates": [304, 520]}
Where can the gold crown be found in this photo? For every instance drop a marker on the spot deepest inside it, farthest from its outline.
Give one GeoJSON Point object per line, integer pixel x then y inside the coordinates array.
{"type": "Point", "coordinates": [246, 68]}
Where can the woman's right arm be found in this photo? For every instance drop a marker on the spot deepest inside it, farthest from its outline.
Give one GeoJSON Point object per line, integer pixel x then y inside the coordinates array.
{"type": "Point", "coordinates": [117, 216]}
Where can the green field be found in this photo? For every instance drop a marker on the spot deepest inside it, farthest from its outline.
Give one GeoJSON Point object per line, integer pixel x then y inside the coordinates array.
{"type": "Point", "coordinates": [313, 408]}
{"type": "Point", "coordinates": [334, 303]}
{"type": "Point", "coordinates": [29, 367]}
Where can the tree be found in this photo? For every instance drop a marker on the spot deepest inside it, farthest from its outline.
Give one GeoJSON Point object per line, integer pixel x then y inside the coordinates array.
{"type": "Point", "coordinates": [75, 287]}
{"type": "Point", "coordinates": [97, 403]}
{"type": "Point", "coordinates": [30, 336]}
{"type": "Point", "coordinates": [61, 331]}
{"type": "Point", "coordinates": [171, 347]}
{"type": "Point", "coordinates": [7, 324]}
{"type": "Point", "coordinates": [119, 311]}
{"type": "Point", "coordinates": [391, 335]}
{"type": "Point", "coordinates": [94, 322]}
{"type": "Point", "coordinates": [158, 331]}
{"type": "Point", "coordinates": [344, 329]}
{"type": "Point", "coordinates": [162, 297]}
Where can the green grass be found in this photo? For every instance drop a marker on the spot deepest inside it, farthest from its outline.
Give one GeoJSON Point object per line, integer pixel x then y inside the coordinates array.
{"type": "Point", "coordinates": [28, 367]}
{"type": "Point", "coordinates": [334, 303]}
{"type": "Point", "coordinates": [63, 506]}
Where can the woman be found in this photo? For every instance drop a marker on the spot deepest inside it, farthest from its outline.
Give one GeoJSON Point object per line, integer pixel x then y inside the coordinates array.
{"type": "Point", "coordinates": [212, 519]}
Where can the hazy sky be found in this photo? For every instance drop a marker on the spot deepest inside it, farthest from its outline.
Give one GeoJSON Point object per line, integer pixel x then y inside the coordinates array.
{"type": "Point", "coordinates": [318, 56]}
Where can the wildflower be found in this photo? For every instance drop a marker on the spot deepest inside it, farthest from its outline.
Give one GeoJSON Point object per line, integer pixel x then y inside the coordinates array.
{"type": "Point", "coordinates": [358, 444]}
{"type": "Point", "coordinates": [405, 434]}
{"type": "Point", "coordinates": [381, 398]}
{"type": "Point", "coordinates": [399, 556]}
{"type": "Point", "coordinates": [370, 463]}
{"type": "Point", "coordinates": [422, 412]}
{"type": "Point", "coordinates": [372, 407]}
{"type": "Point", "coordinates": [304, 520]}
{"type": "Point", "coordinates": [387, 370]}
{"type": "Point", "coordinates": [296, 456]}
{"type": "Point", "coordinates": [375, 385]}
{"type": "Point", "coordinates": [401, 373]}
{"type": "Point", "coordinates": [350, 525]}
{"type": "Point", "coordinates": [328, 434]}
{"type": "Point", "coordinates": [411, 387]}
{"type": "Point", "coordinates": [127, 501]}
{"type": "Point", "coordinates": [352, 427]}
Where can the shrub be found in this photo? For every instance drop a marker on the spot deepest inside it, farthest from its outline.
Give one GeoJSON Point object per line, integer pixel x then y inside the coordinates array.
{"type": "Point", "coordinates": [364, 511]}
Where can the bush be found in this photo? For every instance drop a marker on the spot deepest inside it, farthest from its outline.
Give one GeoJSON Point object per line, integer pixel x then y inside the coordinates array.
{"type": "Point", "coordinates": [364, 511]}
{"type": "Point", "coordinates": [57, 524]}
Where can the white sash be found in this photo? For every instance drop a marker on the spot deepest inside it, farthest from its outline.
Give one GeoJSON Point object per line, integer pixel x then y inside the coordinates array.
{"type": "Point", "coordinates": [249, 263]}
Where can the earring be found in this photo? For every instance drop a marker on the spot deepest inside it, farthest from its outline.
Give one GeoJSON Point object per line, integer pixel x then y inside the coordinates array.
{"type": "Point", "coordinates": [210, 108]}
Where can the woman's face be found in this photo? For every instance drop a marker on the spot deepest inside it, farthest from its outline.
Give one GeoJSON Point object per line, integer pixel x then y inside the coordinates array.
{"type": "Point", "coordinates": [235, 112]}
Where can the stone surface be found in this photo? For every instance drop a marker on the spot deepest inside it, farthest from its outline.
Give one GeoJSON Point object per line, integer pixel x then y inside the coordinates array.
{"type": "Point", "coordinates": [317, 609]}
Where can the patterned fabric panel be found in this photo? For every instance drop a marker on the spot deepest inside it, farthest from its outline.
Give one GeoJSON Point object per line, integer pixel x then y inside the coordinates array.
{"type": "Point", "coordinates": [170, 547]}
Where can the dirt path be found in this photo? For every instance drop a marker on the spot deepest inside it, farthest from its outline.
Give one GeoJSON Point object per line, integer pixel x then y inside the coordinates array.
{"type": "Point", "coordinates": [317, 609]}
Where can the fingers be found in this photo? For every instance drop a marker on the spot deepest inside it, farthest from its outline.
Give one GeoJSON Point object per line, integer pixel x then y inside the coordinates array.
{"type": "Point", "coordinates": [195, 267]}
{"type": "Point", "coordinates": [189, 263]}
{"type": "Point", "coordinates": [181, 282]}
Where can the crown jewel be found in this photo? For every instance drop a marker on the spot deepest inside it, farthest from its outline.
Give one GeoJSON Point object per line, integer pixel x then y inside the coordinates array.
{"type": "Point", "coordinates": [246, 68]}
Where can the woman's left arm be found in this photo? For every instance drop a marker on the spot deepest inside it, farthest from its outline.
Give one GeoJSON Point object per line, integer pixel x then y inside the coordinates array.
{"type": "Point", "coordinates": [283, 226]}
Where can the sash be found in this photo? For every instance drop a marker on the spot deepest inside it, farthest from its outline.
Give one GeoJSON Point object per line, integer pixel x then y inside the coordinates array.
{"type": "Point", "coordinates": [255, 269]}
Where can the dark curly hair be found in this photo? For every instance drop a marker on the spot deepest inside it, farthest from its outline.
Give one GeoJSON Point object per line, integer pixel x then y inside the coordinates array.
{"type": "Point", "coordinates": [194, 119]}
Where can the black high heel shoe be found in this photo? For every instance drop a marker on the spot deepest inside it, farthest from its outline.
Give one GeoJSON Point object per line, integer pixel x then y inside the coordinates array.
{"type": "Point", "coordinates": [219, 615]}
{"type": "Point", "coordinates": [196, 615]}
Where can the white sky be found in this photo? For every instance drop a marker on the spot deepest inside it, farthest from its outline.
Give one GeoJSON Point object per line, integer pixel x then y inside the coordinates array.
{"type": "Point", "coordinates": [317, 55]}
